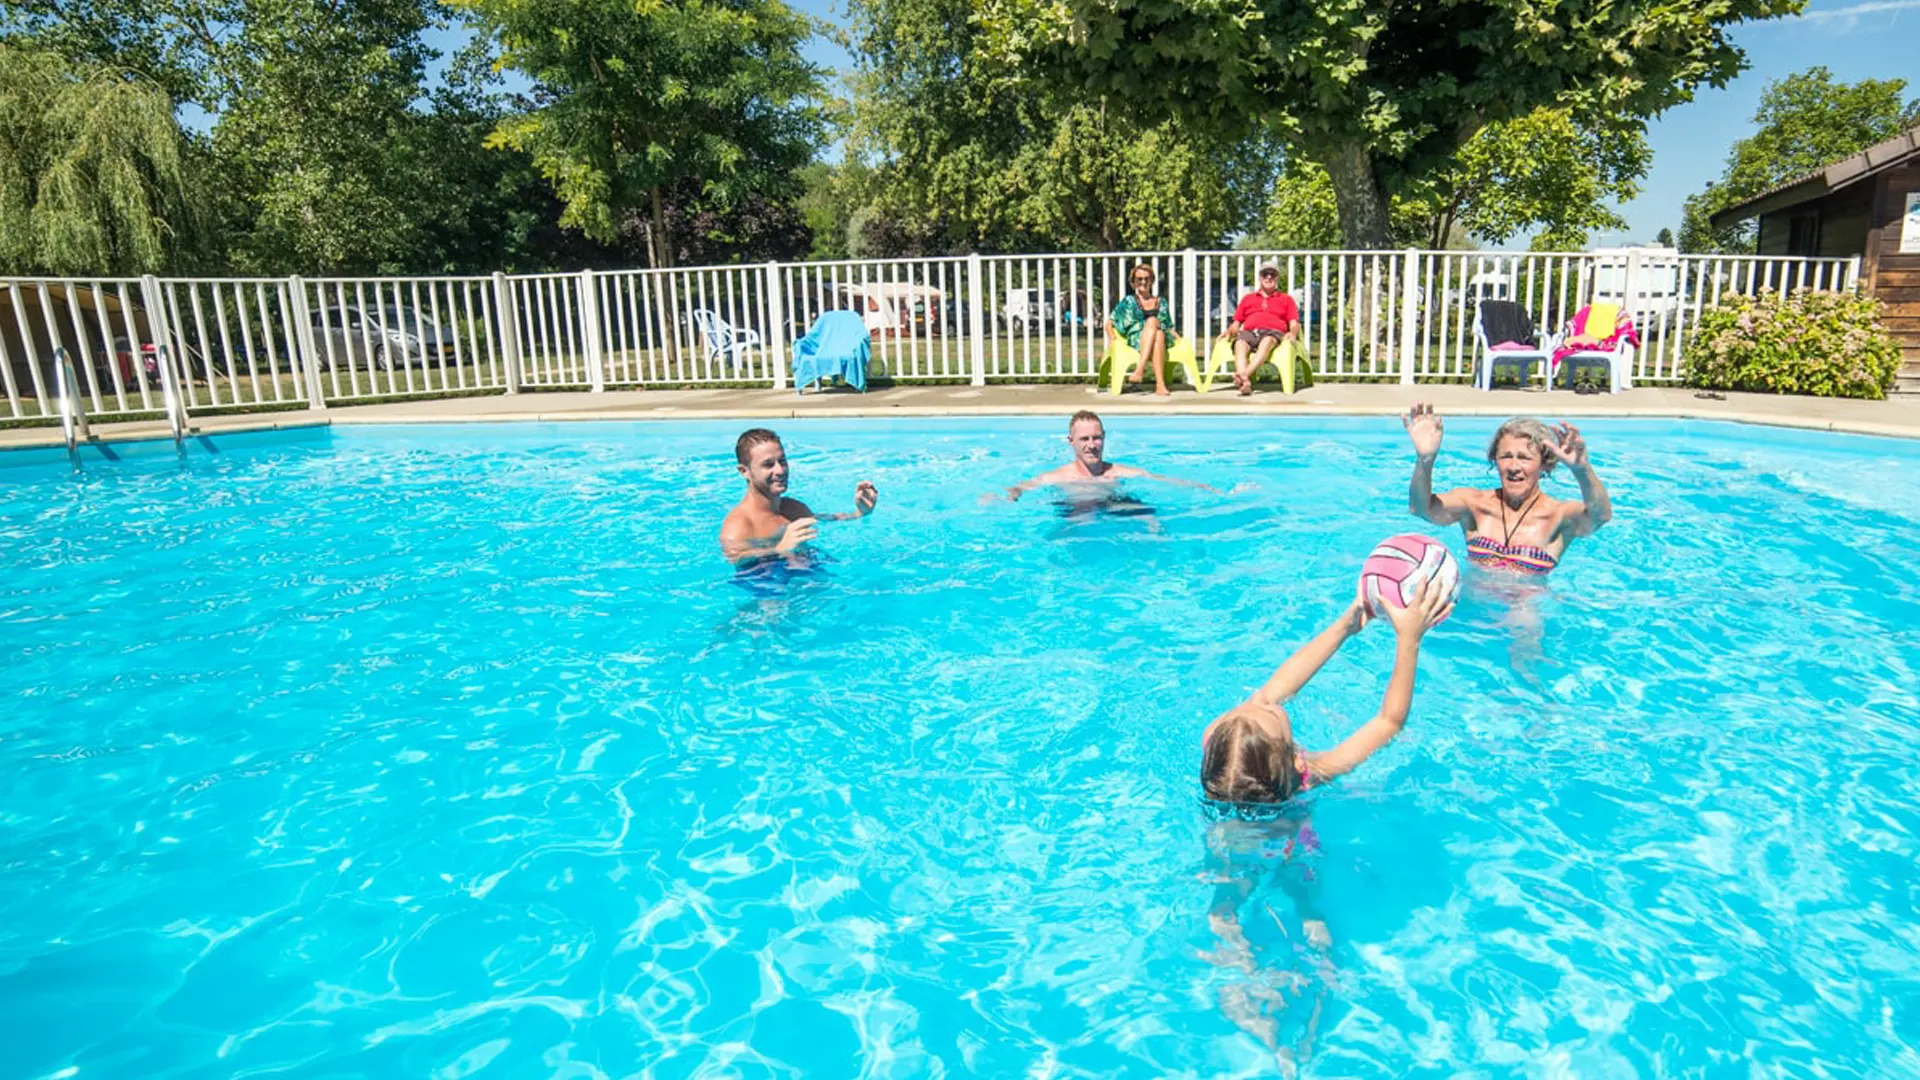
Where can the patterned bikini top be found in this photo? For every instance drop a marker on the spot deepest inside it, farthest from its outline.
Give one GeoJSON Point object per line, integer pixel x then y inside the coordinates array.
{"type": "Point", "coordinates": [1521, 558]}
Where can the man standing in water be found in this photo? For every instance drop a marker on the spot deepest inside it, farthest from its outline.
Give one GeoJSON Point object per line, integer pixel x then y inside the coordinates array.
{"type": "Point", "coordinates": [766, 523]}
{"type": "Point", "coordinates": [1089, 478]}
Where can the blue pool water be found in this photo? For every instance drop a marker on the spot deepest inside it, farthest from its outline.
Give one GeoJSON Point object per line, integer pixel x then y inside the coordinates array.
{"type": "Point", "coordinates": [453, 752]}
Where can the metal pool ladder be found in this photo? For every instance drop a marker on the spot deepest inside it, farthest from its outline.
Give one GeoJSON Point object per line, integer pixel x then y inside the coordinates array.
{"type": "Point", "coordinates": [176, 405]}
{"type": "Point", "coordinates": [73, 411]}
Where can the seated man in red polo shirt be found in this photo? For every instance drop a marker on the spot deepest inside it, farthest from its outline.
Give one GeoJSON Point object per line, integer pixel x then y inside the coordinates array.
{"type": "Point", "coordinates": [1263, 320]}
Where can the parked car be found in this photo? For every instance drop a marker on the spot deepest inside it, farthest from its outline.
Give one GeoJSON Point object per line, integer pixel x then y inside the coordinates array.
{"type": "Point", "coordinates": [435, 341]}
{"type": "Point", "coordinates": [388, 338]}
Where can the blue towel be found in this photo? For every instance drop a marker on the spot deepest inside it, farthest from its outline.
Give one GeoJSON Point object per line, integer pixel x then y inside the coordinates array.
{"type": "Point", "coordinates": [836, 345]}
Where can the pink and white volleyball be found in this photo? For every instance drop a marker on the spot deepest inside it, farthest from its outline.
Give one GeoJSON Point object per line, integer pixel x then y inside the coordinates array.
{"type": "Point", "coordinates": [1400, 564]}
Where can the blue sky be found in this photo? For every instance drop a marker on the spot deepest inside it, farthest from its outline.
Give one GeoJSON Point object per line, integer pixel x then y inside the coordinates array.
{"type": "Point", "coordinates": [1864, 39]}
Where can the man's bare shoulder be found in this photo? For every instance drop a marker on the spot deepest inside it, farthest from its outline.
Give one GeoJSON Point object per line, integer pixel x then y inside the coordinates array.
{"type": "Point", "coordinates": [1117, 470]}
{"type": "Point", "coordinates": [738, 522]}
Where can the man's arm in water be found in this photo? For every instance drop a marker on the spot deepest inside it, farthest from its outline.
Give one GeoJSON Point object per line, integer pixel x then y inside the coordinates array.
{"type": "Point", "coordinates": [865, 498]}
{"type": "Point", "coordinates": [1128, 472]}
{"type": "Point", "coordinates": [741, 547]}
{"type": "Point", "coordinates": [1051, 476]}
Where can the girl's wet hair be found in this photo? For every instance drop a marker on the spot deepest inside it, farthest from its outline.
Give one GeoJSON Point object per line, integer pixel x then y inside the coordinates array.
{"type": "Point", "coordinates": [1535, 432]}
{"type": "Point", "coordinates": [1241, 763]}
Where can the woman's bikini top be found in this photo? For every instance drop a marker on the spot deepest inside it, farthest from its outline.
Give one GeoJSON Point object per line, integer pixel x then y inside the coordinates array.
{"type": "Point", "coordinates": [1495, 555]}
{"type": "Point", "coordinates": [1504, 554]}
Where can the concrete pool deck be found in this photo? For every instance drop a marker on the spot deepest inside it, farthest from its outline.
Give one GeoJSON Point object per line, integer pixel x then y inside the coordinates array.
{"type": "Point", "coordinates": [1898, 417]}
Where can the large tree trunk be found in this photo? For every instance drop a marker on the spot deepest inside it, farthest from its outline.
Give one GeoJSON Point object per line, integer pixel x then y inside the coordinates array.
{"type": "Point", "coordinates": [660, 253]}
{"type": "Point", "coordinates": [660, 242]}
{"type": "Point", "coordinates": [1363, 206]}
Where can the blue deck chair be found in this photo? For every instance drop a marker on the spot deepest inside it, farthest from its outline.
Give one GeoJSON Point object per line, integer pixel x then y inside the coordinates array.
{"type": "Point", "coordinates": [836, 344]}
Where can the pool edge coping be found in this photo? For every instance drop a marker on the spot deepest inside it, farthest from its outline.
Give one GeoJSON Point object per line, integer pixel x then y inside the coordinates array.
{"type": "Point", "coordinates": [392, 416]}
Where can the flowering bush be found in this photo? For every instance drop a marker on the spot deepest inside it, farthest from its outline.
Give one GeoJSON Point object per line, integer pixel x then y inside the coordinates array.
{"type": "Point", "coordinates": [1820, 343]}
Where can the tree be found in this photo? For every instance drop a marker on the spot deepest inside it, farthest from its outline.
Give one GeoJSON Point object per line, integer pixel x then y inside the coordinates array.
{"type": "Point", "coordinates": [830, 196]}
{"type": "Point", "coordinates": [634, 98]}
{"type": "Point", "coordinates": [1541, 174]}
{"type": "Point", "coordinates": [977, 159]}
{"type": "Point", "coordinates": [330, 150]}
{"type": "Point", "coordinates": [1382, 94]}
{"type": "Point", "coordinates": [1805, 122]}
{"type": "Point", "coordinates": [313, 102]}
{"type": "Point", "coordinates": [1664, 238]}
{"type": "Point", "coordinates": [315, 119]}
{"type": "Point", "coordinates": [93, 175]}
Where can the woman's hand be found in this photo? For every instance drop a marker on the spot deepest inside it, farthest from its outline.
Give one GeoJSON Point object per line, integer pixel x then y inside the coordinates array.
{"type": "Point", "coordinates": [1570, 447]}
{"type": "Point", "coordinates": [1425, 608]}
{"type": "Point", "coordinates": [1424, 428]}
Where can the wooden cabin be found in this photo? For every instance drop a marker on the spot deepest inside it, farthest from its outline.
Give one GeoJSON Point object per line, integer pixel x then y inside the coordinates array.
{"type": "Point", "coordinates": [1866, 205]}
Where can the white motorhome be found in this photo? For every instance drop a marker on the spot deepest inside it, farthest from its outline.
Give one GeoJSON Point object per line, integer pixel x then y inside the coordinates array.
{"type": "Point", "coordinates": [1644, 280]}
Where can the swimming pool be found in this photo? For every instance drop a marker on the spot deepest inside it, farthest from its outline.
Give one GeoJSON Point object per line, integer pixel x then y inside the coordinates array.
{"type": "Point", "coordinates": [454, 752]}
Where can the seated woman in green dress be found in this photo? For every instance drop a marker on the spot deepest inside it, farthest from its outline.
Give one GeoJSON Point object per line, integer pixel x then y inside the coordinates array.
{"type": "Point", "coordinates": [1145, 321]}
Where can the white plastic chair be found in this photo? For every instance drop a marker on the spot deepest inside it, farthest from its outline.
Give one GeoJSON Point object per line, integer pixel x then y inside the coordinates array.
{"type": "Point", "coordinates": [1524, 358]}
{"type": "Point", "coordinates": [1619, 362]}
{"type": "Point", "coordinates": [722, 338]}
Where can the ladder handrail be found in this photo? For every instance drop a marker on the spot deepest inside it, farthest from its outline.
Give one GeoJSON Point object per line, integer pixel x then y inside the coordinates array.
{"type": "Point", "coordinates": [73, 411]}
{"type": "Point", "coordinates": [176, 408]}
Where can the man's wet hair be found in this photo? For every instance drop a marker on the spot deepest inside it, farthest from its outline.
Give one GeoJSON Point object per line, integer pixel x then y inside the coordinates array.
{"type": "Point", "coordinates": [750, 438]}
{"type": "Point", "coordinates": [1085, 414]}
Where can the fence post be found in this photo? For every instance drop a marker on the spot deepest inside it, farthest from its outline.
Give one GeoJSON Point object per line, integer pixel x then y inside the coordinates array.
{"type": "Point", "coordinates": [303, 341]}
{"type": "Point", "coordinates": [1409, 313]}
{"type": "Point", "coordinates": [976, 319]}
{"type": "Point", "coordinates": [508, 326]}
{"type": "Point", "coordinates": [590, 333]}
{"type": "Point", "coordinates": [776, 320]}
{"type": "Point", "coordinates": [1189, 275]}
{"type": "Point", "coordinates": [1853, 274]}
{"type": "Point", "coordinates": [165, 347]}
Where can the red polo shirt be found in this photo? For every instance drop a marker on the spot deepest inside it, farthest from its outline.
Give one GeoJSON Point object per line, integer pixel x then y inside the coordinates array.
{"type": "Point", "coordinates": [1258, 311]}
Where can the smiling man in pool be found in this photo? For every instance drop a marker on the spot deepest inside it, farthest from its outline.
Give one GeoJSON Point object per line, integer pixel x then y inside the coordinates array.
{"type": "Point", "coordinates": [1088, 480]}
{"type": "Point", "coordinates": [766, 524]}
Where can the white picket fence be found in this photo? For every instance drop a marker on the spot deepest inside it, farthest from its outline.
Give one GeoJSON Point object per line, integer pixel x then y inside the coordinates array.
{"type": "Point", "coordinates": [261, 343]}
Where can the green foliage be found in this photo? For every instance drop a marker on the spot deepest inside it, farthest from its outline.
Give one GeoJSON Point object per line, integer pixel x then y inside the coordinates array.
{"type": "Point", "coordinates": [637, 96]}
{"type": "Point", "coordinates": [1819, 343]}
{"type": "Point", "coordinates": [1302, 215]}
{"type": "Point", "coordinates": [1383, 94]}
{"type": "Point", "coordinates": [320, 158]}
{"type": "Point", "coordinates": [314, 138]}
{"type": "Point", "coordinates": [1543, 173]}
{"type": "Point", "coordinates": [93, 174]}
{"type": "Point", "coordinates": [830, 195]}
{"type": "Point", "coordinates": [975, 156]}
{"type": "Point", "coordinates": [1805, 122]}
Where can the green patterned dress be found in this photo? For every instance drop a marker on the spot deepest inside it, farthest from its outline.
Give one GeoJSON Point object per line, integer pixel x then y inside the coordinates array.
{"type": "Point", "coordinates": [1129, 318]}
